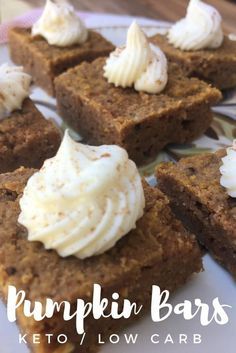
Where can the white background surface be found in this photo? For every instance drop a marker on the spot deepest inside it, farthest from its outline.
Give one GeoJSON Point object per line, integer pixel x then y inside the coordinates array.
{"type": "Point", "coordinates": [214, 282]}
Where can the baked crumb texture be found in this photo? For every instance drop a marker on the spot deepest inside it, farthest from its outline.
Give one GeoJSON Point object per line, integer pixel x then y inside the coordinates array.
{"type": "Point", "coordinates": [159, 251]}
{"type": "Point", "coordinates": [216, 66]}
{"type": "Point", "coordinates": [141, 123]}
{"type": "Point", "coordinates": [27, 139]}
{"type": "Point", "coordinates": [44, 62]}
{"type": "Point", "coordinates": [197, 198]}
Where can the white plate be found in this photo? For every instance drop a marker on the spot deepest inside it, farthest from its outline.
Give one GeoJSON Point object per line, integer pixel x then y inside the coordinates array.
{"type": "Point", "coordinates": [214, 282]}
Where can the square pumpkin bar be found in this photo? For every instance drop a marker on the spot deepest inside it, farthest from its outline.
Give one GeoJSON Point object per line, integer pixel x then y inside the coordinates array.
{"type": "Point", "coordinates": [159, 251]}
{"type": "Point", "coordinates": [26, 138]}
{"type": "Point", "coordinates": [198, 199]}
{"type": "Point", "coordinates": [44, 62]}
{"type": "Point", "coordinates": [139, 122]}
{"type": "Point", "coordinates": [216, 66]}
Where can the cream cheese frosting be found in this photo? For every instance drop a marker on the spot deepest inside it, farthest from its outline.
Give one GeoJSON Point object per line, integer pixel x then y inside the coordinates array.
{"type": "Point", "coordinates": [232, 36]}
{"type": "Point", "coordinates": [60, 25]}
{"type": "Point", "coordinates": [14, 88]}
{"type": "Point", "coordinates": [200, 29]}
{"type": "Point", "coordinates": [138, 64]}
{"type": "Point", "coordinates": [83, 200]}
{"type": "Point", "coordinates": [228, 171]}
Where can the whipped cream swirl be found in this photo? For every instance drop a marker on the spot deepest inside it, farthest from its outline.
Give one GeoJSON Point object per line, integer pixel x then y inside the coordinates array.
{"type": "Point", "coordinates": [60, 25]}
{"type": "Point", "coordinates": [200, 29]}
{"type": "Point", "coordinates": [83, 200]}
{"type": "Point", "coordinates": [232, 36]}
{"type": "Point", "coordinates": [14, 88]}
{"type": "Point", "coordinates": [228, 171]}
{"type": "Point", "coordinates": [138, 63]}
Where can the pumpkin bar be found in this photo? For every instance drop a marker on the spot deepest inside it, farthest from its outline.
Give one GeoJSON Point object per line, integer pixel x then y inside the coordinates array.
{"type": "Point", "coordinates": [159, 251]}
{"type": "Point", "coordinates": [44, 62]}
{"type": "Point", "coordinates": [216, 66]}
{"type": "Point", "coordinates": [26, 138]}
{"type": "Point", "coordinates": [139, 122]}
{"type": "Point", "coordinates": [198, 199]}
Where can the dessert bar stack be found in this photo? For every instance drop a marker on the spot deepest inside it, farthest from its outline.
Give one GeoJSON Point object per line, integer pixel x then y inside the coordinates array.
{"type": "Point", "coordinates": [141, 123]}
{"type": "Point", "coordinates": [159, 251]}
{"type": "Point", "coordinates": [197, 198]}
